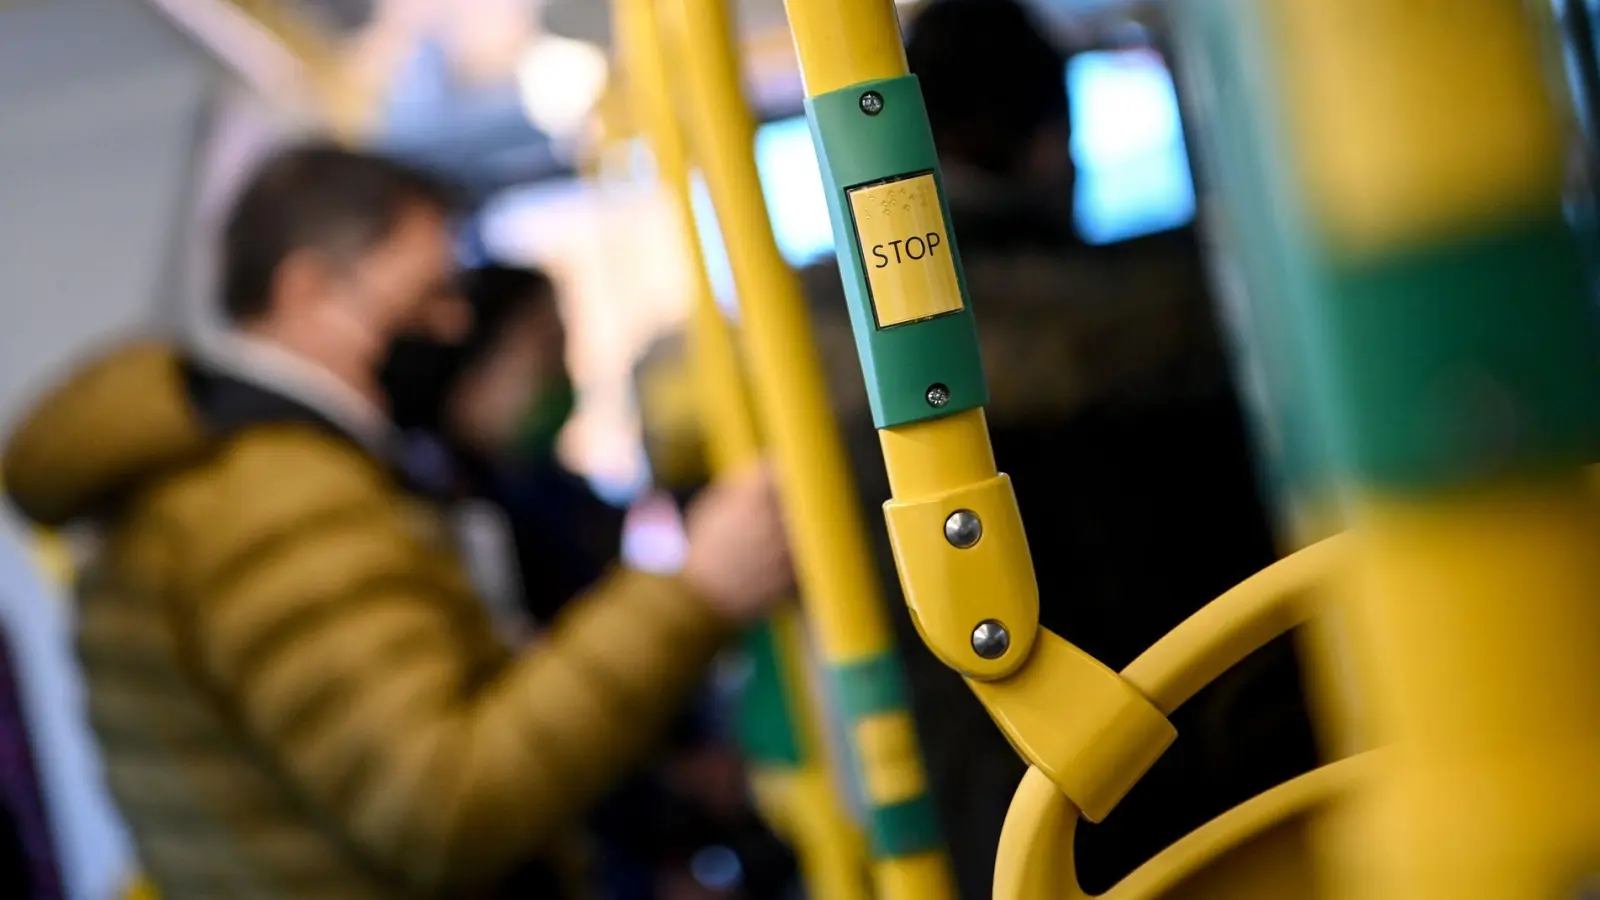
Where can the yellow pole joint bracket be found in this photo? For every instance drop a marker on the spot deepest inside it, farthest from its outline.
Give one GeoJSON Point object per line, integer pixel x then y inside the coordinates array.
{"type": "Point", "coordinates": [1095, 752]}
{"type": "Point", "coordinates": [968, 577]}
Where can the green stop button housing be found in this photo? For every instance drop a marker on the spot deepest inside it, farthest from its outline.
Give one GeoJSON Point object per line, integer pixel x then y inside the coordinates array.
{"type": "Point", "coordinates": [911, 364]}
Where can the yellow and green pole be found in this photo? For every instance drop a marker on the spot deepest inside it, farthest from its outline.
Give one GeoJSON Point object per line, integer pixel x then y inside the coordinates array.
{"type": "Point", "coordinates": [1246, 207]}
{"type": "Point", "coordinates": [1419, 156]}
{"type": "Point", "coordinates": [792, 781]}
{"type": "Point", "coordinates": [1450, 332]}
{"type": "Point", "coordinates": [957, 535]}
{"type": "Point", "coordinates": [1087, 732]}
{"type": "Point", "coordinates": [844, 608]}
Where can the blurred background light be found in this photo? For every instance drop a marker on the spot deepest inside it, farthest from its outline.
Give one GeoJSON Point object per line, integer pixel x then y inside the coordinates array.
{"type": "Point", "coordinates": [560, 80]}
{"type": "Point", "coordinates": [1127, 142]}
{"type": "Point", "coordinates": [717, 868]}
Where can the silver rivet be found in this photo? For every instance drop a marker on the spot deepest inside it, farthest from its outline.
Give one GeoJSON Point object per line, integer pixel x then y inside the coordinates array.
{"type": "Point", "coordinates": [990, 639]}
{"type": "Point", "coordinates": [872, 103]}
{"type": "Point", "coordinates": [938, 395]}
{"type": "Point", "coordinates": [963, 529]}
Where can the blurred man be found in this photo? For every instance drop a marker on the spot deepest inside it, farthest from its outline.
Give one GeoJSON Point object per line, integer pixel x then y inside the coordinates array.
{"type": "Point", "coordinates": [1113, 414]}
{"type": "Point", "coordinates": [298, 692]}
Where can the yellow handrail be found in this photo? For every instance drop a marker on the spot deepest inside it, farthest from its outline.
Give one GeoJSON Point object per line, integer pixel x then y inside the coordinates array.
{"type": "Point", "coordinates": [1255, 612]}
{"type": "Point", "coordinates": [803, 802]}
{"type": "Point", "coordinates": [1469, 583]}
{"type": "Point", "coordinates": [839, 586]}
{"type": "Point", "coordinates": [348, 107]}
{"type": "Point", "coordinates": [953, 520]}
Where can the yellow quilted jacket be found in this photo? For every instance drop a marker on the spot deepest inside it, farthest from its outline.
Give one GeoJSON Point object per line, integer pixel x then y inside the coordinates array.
{"type": "Point", "coordinates": [296, 690]}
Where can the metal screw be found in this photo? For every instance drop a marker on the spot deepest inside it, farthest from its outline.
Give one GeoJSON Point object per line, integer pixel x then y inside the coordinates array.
{"type": "Point", "coordinates": [872, 103]}
{"type": "Point", "coordinates": [963, 529]}
{"type": "Point", "coordinates": [938, 396]}
{"type": "Point", "coordinates": [990, 639]}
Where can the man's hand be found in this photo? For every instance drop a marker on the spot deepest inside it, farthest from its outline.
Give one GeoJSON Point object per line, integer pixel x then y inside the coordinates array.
{"type": "Point", "coordinates": [738, 553]}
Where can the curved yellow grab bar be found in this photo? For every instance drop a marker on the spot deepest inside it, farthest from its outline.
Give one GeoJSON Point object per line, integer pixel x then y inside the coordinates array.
{"type": "Point", "coordinates": [1035, 857]}
{"type": "Point", "coordinates": [1259, 850]}
{"type": "Point", "coordinates": [1259, 609]}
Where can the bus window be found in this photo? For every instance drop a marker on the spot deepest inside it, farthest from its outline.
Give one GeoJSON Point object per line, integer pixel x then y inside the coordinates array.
{"type": "Point", "coordinates": [1127, 143]}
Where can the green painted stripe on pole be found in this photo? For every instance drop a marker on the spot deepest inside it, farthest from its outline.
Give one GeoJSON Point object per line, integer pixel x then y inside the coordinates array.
{"type": "Point", "coordinates": [1419, 367]}
{"type": "Point", "coordinates": [903, 363]}
{"type": "Point", "coordinates": [869, 687]}
{"type": "Point", "coordinates": [764, 720]}
{"type": "Point", "coordinates": [1262, 258]}
{"type": "Point", "coordinates": [1464, 360]}
{"type": "Point", "coordinates": [905, 829]}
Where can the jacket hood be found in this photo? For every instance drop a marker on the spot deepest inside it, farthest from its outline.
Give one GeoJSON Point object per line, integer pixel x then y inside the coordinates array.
{"type": "Point", "coordinates": [119, 420]}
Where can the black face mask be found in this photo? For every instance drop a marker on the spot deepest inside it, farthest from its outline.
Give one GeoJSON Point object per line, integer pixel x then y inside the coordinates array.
{"type": "Point", "coordinates": [420, 375]}
{"type": "Point", "coordinates": [417, 376]}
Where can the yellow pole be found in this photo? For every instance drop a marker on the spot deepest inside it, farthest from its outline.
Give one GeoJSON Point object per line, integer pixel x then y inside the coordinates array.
{"type": "Point", "coordinates": [846, 43]}
{"type": "Point", "coordinates": [1478, 618]}
{"type": "Point", "coordinates": [348, 108]}
{"type": "Point", "coordinates": [953, 520]}
{"type": "Point", "coordinates": [1474, 582]}
{"type": "Point", "coordinates": [1422, 151]}
{"type": "Point", "coordinates": [803, 802]}
{"type": "Point", "coordinates": [838, 583]}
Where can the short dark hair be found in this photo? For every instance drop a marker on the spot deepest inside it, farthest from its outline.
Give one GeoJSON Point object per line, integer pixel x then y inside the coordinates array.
{"type": "Point", "coordinates": [315, 196]}
{"type": "Point", "coordinates": [990, 75]}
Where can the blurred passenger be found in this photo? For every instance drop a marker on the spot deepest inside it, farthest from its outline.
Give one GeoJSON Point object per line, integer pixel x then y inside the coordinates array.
{"type": "Point", "coordinates": [298, 692]}
{"type": "Point", "coordinates": [481, 416]}
{"type": "Point", "coordinates": [1112, 411]}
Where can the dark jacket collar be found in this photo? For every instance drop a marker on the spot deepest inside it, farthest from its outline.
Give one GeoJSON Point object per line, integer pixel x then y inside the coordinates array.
{"type": "Point", "coordinates": [294, 383]}
{"type": "Point", "coordinates": [228, 404]}
{"type": "Point", "coordinates": [235, 384]}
